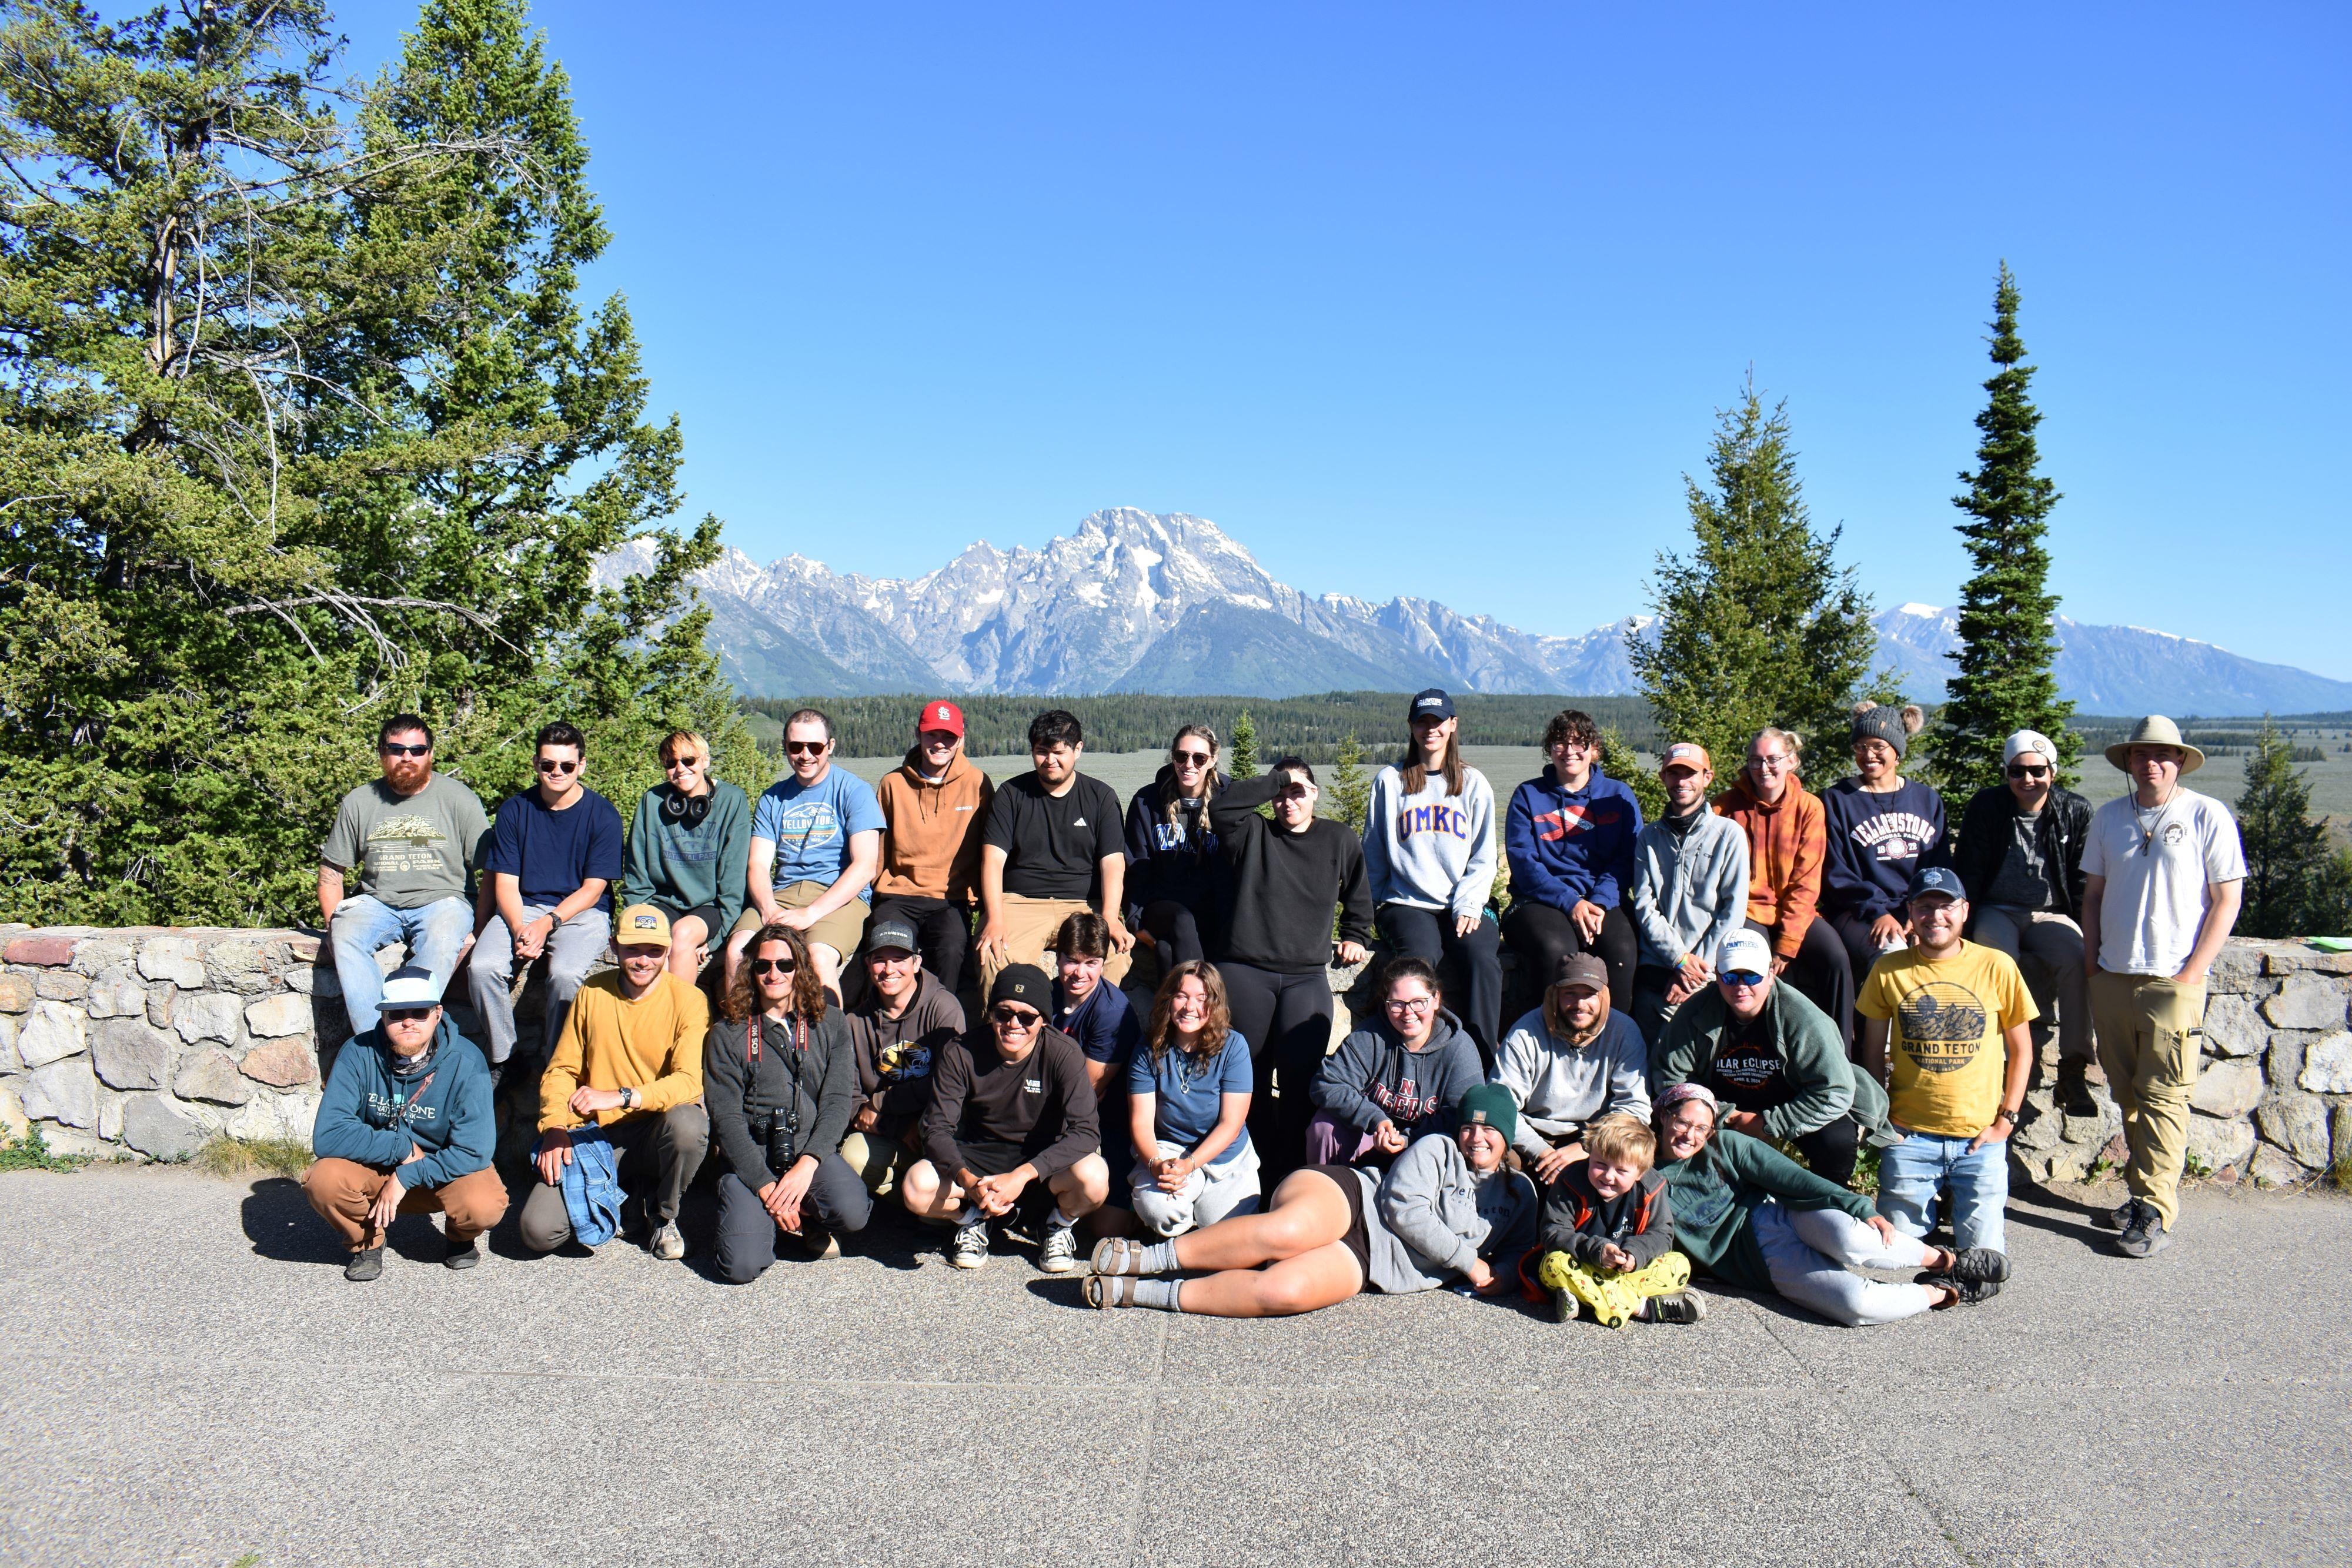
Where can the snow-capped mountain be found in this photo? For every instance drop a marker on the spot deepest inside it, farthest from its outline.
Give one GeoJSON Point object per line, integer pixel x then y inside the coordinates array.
{"type": "Point", "coordinates": [1135, 601]}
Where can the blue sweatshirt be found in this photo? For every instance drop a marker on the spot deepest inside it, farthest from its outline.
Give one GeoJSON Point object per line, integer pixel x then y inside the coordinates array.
{"type": "Point", "coordinates": [1565, 846]}
{"type": "Point", "coordinates": [1876, 842]}
{"type": "Point", "coordinates": [368, 1115]}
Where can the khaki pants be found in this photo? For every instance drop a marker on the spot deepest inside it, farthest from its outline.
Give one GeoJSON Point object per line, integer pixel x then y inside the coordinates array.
{"type": "Point", "coordinates": [2149, 1030]}
{"type": "Point", "coordinates": [878, 1160]}
{"type": "Point", "coordinates": [342, 1191]}
{"type": "Point", "coordinates": [1029, 926]}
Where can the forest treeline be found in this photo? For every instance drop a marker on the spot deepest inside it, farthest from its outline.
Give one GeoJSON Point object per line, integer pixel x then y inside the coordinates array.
{"type": "Point", "coordinates": [1312, 727]}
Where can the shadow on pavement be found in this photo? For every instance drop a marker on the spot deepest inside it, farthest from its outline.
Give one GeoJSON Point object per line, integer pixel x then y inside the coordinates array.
{"type": "Point", "coordinates": [278, 1222]}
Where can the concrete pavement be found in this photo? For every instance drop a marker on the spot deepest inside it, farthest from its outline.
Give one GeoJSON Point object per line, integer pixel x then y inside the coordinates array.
{"type": "Point", "coordinates": [192, 1380]}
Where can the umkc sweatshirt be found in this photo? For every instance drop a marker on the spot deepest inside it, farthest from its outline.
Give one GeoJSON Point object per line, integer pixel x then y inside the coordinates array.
{"type": "Point", "coordinates": [1431, 850]}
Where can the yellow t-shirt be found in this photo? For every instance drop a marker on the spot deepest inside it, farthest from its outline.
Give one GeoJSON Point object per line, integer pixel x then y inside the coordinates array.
{"type": "Point", "coordinates": [1945, 1049]}
{"type": "Point", "coordinates": [652, 1045]}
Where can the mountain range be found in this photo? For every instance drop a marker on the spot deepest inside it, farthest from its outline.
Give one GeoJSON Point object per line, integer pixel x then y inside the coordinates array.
{"type": "Point", "coordinates": [1139, 601]}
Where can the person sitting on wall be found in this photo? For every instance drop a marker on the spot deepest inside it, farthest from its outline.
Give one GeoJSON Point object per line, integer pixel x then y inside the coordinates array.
{"type": "Point", "coordinates": [689, 849]}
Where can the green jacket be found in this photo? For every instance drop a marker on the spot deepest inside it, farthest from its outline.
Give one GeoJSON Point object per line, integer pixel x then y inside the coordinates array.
{"type": "Point", "coordinates": [1713, 1195]}
{"type": "Point", "coordinates": [689, 866]}
{"type": "Point", "coordinates": [1823, 1084]}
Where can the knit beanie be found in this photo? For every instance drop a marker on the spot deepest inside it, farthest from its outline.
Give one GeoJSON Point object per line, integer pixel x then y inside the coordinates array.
{"type": "Point", "coordinates": [1876, 721]}
{"type": "Point", "coordinates": [1492, 1104]}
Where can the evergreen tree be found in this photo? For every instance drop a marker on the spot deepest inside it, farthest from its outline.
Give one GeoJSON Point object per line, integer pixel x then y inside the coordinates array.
{"type": "Point", "coordinates": [304, 427]}
{"type": "Point", "coordinates": [2287, 860]}
{"type": "Point", "coordinates": [2330, 910]}
{"type": "Point", "coordinates": [2008, 635]}
{"type": "Point", "coordinates": [1348, 797]}
{"type": "Point", "coordinates": [1619, 761]}
{"type": "Point", "coordinates": [1241, 760]}
{"type": "Point", "coordinates": [1759, 626]}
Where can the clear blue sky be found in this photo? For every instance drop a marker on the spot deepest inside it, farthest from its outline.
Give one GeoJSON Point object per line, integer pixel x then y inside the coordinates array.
{"type": "Point", "coordinates": [1441, 301]}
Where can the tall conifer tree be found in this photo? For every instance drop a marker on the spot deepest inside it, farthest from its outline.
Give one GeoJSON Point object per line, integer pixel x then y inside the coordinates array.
{"type": "Point", "coordinates": [2287, 860]}
{"type": "Point", "coordinates": [2007, 637]}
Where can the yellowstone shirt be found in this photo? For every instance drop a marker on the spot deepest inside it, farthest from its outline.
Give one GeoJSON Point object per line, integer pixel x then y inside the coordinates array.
{"type": "Point", "coordinates": [1945, 1044]}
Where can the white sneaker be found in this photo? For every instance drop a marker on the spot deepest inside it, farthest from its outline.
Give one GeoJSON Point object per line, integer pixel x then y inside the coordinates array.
{"type": "Point", "coordinates": [968, 1248]}
{"type": "Point", "coordinates": [1060, 1252]}
{"type": "Point", "coordinates": [666, 1244]}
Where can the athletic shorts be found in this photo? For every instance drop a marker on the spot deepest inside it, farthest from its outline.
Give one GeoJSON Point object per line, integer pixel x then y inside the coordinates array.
{"type": "Point", "coordinates": [842, 930]}
{"type": "Point", "coordinates": [1358, 1239]}
{"type": "Point", "coordinates": [714, 928]}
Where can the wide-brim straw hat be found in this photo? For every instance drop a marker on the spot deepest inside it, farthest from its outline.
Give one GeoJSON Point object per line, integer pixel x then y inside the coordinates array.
{"type": "Point", "coordinates": [2156, 730]}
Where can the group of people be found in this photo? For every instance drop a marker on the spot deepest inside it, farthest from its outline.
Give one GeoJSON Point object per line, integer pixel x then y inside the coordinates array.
{"type": "Point", "coordinates": [1718, 1011]}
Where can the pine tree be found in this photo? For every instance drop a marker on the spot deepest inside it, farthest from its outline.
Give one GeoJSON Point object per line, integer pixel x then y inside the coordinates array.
{"type": "Point", "coordinates": [2008, 633]}
{"type": "Point", "coordinates": [1759, 626]}
{"type": "Point", "coordinates": [2286, 851]}
{"type": "Point", "coordinates": [1242, 759]}
{"type": "Point", "coordinates": [1620, 762]}
{"type": "Point", "coordinates": [1349, 798]}
{"type": "Point", "coordinates": [303, 426]}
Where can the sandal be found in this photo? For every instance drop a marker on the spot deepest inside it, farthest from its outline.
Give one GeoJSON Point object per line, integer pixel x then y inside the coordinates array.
{"type": "Point", "coordinates": [1107, 1291]}
{"type": "Point", "coordinates": [1118, 1255]}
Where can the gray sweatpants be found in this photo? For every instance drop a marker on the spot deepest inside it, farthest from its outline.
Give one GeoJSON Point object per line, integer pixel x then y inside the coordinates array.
{"type": "Point", "coordinates": [1812, 1252]}
{"type": "Point", "coordinates": [1208, 1194]}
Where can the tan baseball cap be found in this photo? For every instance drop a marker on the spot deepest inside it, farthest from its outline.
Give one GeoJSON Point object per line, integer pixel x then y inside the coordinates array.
{"type": "Point", "coordinates": [641, 925]}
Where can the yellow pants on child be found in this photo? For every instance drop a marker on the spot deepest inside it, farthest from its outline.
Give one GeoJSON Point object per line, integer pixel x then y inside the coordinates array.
{"type": "Point", "coordinates": [1613, 1298]}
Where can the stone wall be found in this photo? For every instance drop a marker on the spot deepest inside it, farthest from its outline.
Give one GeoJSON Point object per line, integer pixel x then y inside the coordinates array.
{"type": "Point", "coordinates": [144, 1043]}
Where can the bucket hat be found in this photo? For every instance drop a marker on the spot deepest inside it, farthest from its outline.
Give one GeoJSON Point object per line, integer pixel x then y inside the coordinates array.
{"type": "Point", "coordinates": [2156, 730]}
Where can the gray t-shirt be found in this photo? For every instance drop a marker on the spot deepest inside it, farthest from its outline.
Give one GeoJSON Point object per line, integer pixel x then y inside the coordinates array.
{"type": "Point", "coordinates": [409, 850]}
{"type": "Point", "coordinates": [2024, 880]}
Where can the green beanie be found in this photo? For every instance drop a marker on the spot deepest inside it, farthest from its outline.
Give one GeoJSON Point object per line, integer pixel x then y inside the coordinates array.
{"type": "Point", "coordinates": [1492, 1104]}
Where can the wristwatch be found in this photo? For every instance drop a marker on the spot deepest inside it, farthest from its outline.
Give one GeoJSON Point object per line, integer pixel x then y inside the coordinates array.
{"type": "Point", "coordinates": [628, 1098]}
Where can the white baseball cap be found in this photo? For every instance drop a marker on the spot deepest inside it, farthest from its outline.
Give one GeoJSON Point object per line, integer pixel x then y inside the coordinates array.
{"type": "Point", "coordinates": [409, 987]}
{"type": "Point", "coordinates": [1746, 950]}
{"type": "Point", "coordinates": [2026, 740]}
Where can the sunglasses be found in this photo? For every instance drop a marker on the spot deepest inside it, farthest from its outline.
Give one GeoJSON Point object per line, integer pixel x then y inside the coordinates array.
{"type": "Point", "coordinates": [675, 763]}
{"type": "Point", "coordinates": [392, 749]}
{"type": "Point", "coordinates": [1190, 758]}
{"type": "Point", "coordinates": [1017, 1017]}
{"type": "Point", "coordinates": [550, 764]}
{"type": "Point", "coordinates": [405, 1015]}
{"type": "Point", "coordinates": [773, 965]}
{"type": "Point", "coordinates": [1744, 979]}
{"type": "Point", "coordinates": [806, 748]}
{"type": "Point", "coordinates": [2029, 773]}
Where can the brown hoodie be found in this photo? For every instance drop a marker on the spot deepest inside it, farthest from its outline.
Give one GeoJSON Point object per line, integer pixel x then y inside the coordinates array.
{"type": "Point", "coordinates": [1788, 847]}
{"type": "Point", "coordinates": [931, 847]}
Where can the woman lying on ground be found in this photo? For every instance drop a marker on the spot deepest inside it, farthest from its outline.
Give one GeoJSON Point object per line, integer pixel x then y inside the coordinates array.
{"type": "Point", "coordinates": [1748, 1215]}
{"type": "Point", "coordinates": [1449, 1207]}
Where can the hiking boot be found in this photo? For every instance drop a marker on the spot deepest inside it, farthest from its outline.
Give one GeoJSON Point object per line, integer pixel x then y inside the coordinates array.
{"type": "Point", "coordinates": [665, 1243]}
{"type": "Point", "coordinates": [968, 1248]}
{"type": "Point", "coordinates": [1969, 1292]}
{"type": "Point", "coordinates": [2145, 1237]}
{"type": "Point", "coordinates": [2075, 1088]}
{"type": "Point", "coordinates": [366, 1264]}
{"type": "Point", "coordinates": [1058, 1253]}
{"type": "Point", "coordinates": [2118, 1217]}
{"type": "Point", "coordinates": [823, 1245]}
{"type": "Point", "coordinates": [464, 1257]}
{"type": "Point", "coordinates": [1682, 1307]}
{"type": "Point", "coordinates": [1980, 1264]}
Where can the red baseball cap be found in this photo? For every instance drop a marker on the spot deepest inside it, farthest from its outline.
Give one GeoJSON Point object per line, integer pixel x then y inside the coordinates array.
{"type": "Point", "coordinates": [942, 716]}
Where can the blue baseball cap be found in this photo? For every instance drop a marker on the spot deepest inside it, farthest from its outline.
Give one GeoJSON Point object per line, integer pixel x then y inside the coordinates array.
{"type": "Point", "coordinates": [1930, 879]}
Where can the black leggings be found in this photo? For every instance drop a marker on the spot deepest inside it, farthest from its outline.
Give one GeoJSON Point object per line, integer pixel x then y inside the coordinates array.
{"type": "Point", "coordinates": [1171, 926]}
{"type": "Point", "coordinates": [1542, 936]}
{"type": "Point", "coordinates": [943, 929]}
{"type": "Point", "coordinates": [1823, 972]}
{"type": "Point", "coordinates": [1829, 1151]}
{"type": "Point", "coordinates": [1287, 1020]}
{"type": "Point", "coordinates": [1853, 930]}
{"type": "Point", "coordinates": [1429, 933]}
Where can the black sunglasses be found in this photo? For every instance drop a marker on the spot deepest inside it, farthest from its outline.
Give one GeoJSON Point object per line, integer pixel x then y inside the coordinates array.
{"type": "Point", "coordinates": [1197, 758]}
{"type": "Point", "coordinates": [1017, 1018]}
{"type": "Point", "coordinates": [405, 1015]}
{"type": "Point", "coordinates": [806, 748]}
{"type": "Point", "coordinates": [394, 748]}
{"type": "Point", "coordinates": [2029, 773]}
{"type": "Point", "coordinates": [773, 965]}
{"type": "Point", "coordinates": [550, 765]}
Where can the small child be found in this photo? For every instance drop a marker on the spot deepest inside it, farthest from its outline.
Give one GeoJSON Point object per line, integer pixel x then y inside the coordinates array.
{"type": "Point", "coordinates": [1608, 1231]}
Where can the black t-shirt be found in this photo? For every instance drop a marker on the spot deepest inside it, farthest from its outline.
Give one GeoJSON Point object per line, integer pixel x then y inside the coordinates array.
{"type": "Point", "coordinates": [1749, 1073]}
{"type": "Point", "coordinates": [1051, 844]}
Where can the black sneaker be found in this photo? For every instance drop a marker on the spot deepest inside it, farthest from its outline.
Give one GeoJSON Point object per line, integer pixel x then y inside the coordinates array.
{"type": "Point", "coordinates": [464, 1257]}
{"type": "Point", "coordinates": [2118, 1217]}
{"type": "Point", "coordinates": [365, 1265]}
{"type": "Point", "coordinates": [1980, 1264]}
{"type": "Point", "coordinates": [1682, 1307]}
{"type": "Point", "coordinates": [2145, 1237]}
{"type": "Point", "coordinates": [2074, 1089]}
{"type": "Point", "coordinates": [1970, 1292]}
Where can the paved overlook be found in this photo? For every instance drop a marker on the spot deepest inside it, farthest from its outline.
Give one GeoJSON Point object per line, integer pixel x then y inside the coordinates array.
{"type": "Point", "coordinates": [192, 1380]}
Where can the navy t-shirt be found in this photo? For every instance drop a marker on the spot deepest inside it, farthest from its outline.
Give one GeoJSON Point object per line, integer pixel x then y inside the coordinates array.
{"type": "Point", "coordinates": [1105, 1027]}
{"type": "Point", "coordinates": [1191, 1092]}
{"type": "Point", "coordinates": [551, 853]}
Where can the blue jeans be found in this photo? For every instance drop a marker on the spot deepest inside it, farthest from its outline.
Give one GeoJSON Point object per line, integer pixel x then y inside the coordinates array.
{"type": "Point", "coordinates": [1910, 1172]}
{"type": "Point", "coordinates": [362, 928]}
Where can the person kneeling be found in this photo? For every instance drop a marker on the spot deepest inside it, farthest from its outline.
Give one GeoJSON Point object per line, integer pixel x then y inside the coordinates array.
{"type": "Point", "coordinates": [1449, 1207]}
{"type": "Point", "coordinates": [1189, 1097]}
{"type": "Point", "coordinates": [1015, 1111]}
{"type": "Point", "coordinates": [781, 1076]}
{"type": "Point", "coordinates": [1608, 1233]}
{"type": "Point", "coordinates": [621, 1087]}
{"type": "Point", "coordinates": [405, 1126]}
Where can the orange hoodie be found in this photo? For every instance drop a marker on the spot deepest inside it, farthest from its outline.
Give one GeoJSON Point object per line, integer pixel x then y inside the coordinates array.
{"type": "Point", "coordinates": [931, 848]}
{"type": "Point", "coordinates": [1788, 848]}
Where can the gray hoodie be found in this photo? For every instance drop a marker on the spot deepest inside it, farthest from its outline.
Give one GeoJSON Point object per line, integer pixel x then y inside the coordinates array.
{"type": "Point", "coordinates": [1560, 1087]}
{"type": "Point", "coordinates": [1430, 850]}
{"type": "Point", "coordinates": [1689, 891]}
{"type": "Point", "coordinates": [1432, 1216]}
{"type": "Point", "coordinates": [1373, 1078]}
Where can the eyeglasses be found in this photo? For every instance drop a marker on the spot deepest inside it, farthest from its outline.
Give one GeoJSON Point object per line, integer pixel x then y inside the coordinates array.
{"type": "Point", "coordinates": [773, 965]}
{"type": "Point", "coordinates": [394, 748]}
{"type": "Point", "coordinates": [1020, 1019]}
{"type": "Point", "coordinates": [1743, 979]}
{"type": "Point", "coordinates": [1190, 759]}
{"type": "Point", "coordinates": [806, 748]}
{"type": "Point", "coordinates": [405, 1015]}
{"type": "Point", "coordinates": [1411, 1004]}
{"type": "Point", "coordinates": [2023, 772]}
{"type": "Point", "coordinates": [550, 765]}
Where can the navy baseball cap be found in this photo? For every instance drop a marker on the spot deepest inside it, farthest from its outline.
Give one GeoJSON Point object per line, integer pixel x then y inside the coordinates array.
{"type": "Point", "coordinates": [1930, 879]}
{"type": "Point", "coordinates": [1431, 703]}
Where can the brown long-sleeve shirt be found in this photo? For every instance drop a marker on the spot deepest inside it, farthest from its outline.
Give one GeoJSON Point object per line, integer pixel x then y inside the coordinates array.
{"type": "Point", "coordinates": [1788, 850]}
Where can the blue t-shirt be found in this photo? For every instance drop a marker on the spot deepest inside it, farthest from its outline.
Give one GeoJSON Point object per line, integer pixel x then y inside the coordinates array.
{"type": "Point", "coordinates": [811, 825]}
{"type": "Point", "coordinates": [551, 853]}
{"type": "Point", "coordinates": [1192, 1092]}
{"type": "Point", "coordinates": [1105, 1027]}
